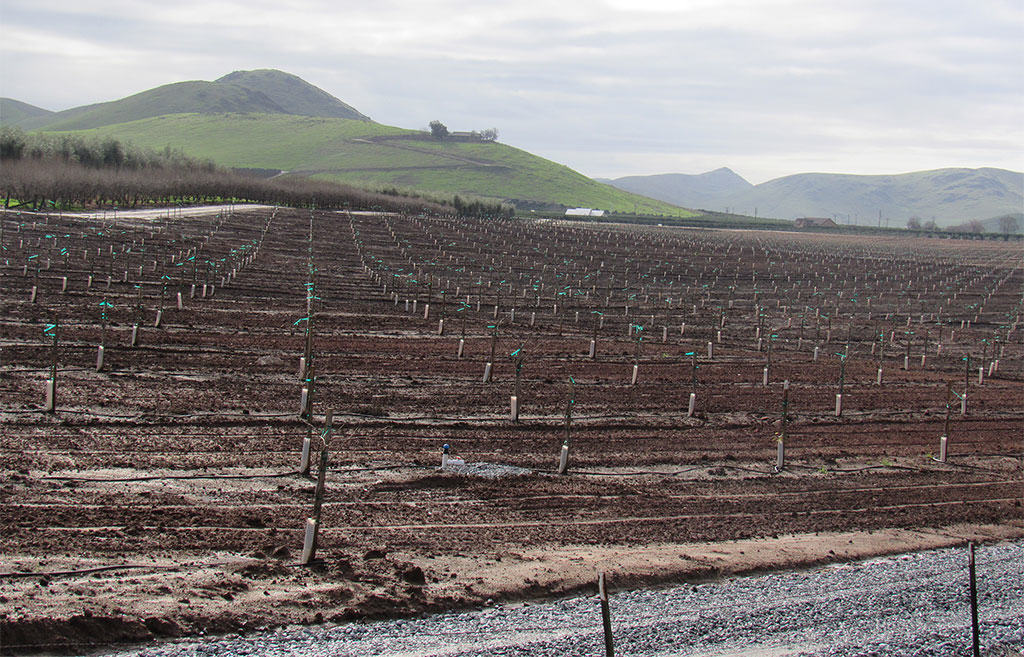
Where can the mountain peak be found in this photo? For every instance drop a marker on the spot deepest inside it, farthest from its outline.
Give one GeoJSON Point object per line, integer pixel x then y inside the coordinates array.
{"type": "Point", "coordinates": [265, 91]}
{"type": "Point", "coordinates": [292, 93]}
{"type": "Point", "coordinates": [686, 190]}
{"type": "Point", "coordinates": [945, 195]}
{"type": "Point", "coordinates": [726, 175]}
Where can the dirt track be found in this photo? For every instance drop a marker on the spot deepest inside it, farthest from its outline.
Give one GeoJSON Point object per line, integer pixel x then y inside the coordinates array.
{"type": "Point", "coordinates": [181, 454]}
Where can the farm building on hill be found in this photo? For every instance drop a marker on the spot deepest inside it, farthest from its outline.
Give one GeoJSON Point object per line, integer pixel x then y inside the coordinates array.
{"type": "Point", "coordinates": [814, 222]}
{"type": "Point", "coordinates": [583, 212]}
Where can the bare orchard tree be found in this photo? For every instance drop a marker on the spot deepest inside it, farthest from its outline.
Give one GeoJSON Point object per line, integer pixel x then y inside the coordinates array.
{"type": "Point", "coordinates": [914, 223]}
{"type": "Point", "coordinates": [1008, 224]}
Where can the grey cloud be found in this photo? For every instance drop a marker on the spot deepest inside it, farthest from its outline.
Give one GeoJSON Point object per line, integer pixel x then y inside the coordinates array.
{"type": "Point", "coordinates": [597, 87]}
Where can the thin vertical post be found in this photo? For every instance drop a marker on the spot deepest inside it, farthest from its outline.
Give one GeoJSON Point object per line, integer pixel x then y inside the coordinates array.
{"type": "Point", "coordinates": [563, 459]}
{"type": "Point", "coordinates": [780, 458]}
{"type": "Point", "coordinates": [975, 642]}
{"type": "Point", "coordinates": [606, 616]}
{"type": "Point", "coordinates": [51, 385]}
{"type": "Point", "coordinates": [967, 383]}
{"type": "Point", "coordinates": [309, 549]}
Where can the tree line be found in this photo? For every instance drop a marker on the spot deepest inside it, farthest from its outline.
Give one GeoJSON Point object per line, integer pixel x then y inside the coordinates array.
{"type": "Point", "coordinates": [1008, 224]}
{"type": "Point", "coordinates": [70, 171]}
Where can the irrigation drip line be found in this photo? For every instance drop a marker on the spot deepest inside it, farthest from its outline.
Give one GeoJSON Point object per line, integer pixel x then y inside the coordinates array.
{"type": "Point", "coordinates": [384, 468]}
{"type": "Point", "coordinates": [483, 501]}
{"type": "Point", "coordinates": [548, 523]}
{"type": "Point", "coordinates": [277, 475]}
{"type": "Point", "coordinates": [100, 569]}
{"type": "Point", "coordinates": [147, 416]}
{"type": "Point", "coordinates": [974, 467]}
{"type": "Point", "coordinates": [638, 473]}
{"type": "Point", "coordinates": [866, 468]}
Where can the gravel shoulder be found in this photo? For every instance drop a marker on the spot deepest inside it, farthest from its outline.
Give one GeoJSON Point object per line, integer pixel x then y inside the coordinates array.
{"type": "Point", "coordinates": [912, 604]}
{"type": "Point", "coordinates": [75, 607]}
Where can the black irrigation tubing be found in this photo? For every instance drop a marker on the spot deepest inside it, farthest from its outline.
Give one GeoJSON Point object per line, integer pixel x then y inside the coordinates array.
{"type": "Point", "coordinates": [909, 468]}
{"type": "Point", "coordinates": [146, 415]}
{"type": "Point", "coordinates": [639, 473]}
{"type": "Point", "coordinates": [384, 468]}
{"type": "Point", "coordinates": [100, 569]}
{"type": "Point", "coordinates": [547, 522]}
{"type": "Point", "coordinates": [60, 370]}
{"type": "Point", "coordinates": [392, 420]}
{"type": "Point", "coordinates": [508, 498]}
{"type": "Point", "coordinates": [277, 475]}
{"type": "Point", "coordinates": [967, 466]}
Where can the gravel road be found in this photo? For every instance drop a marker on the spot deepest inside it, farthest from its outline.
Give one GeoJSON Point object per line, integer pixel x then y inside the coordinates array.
{"type": "Point", "coordinates": [914, 604]}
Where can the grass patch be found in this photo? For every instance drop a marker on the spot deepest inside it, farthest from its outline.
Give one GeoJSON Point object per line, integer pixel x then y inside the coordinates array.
{"type": "Point", "coordinates": [374, 155]}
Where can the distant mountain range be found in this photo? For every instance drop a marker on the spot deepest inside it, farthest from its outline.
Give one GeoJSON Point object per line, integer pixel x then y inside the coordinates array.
{"type": "Point", "coordinates": [699, 191]}
{"type": "Point", "coordinates": [947, 196]}
{"type": "Point", "coordinates": [272, 120]}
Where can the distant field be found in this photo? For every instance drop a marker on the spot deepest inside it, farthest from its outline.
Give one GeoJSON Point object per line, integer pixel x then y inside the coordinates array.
{"type": "Point", "coordinates": [354, 152]}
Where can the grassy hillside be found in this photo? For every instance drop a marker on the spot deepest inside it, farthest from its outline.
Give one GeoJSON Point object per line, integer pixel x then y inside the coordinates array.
{"type": "Point", "coordinates": [168, 99]}
{"type": "Point", "coordinates": [13, 111]}
{"type": "Point", "coordinates": [293, 94]}
{"type": "Point", "coordinates": [269, 119]}
{"type": "Point", "coordinates": [263, 91]}
{"type": "Point", "coordinates": [374, 155]}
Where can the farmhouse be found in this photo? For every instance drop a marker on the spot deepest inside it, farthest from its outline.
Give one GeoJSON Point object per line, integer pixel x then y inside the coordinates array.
{"type": "Point", "coordinates": [583, 212]}
{"type": "Point", "coordinates": [814, 222]}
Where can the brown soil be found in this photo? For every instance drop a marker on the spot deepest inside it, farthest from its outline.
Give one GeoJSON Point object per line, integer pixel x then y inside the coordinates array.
{"type": "Point", "coordinates": [162, 497]}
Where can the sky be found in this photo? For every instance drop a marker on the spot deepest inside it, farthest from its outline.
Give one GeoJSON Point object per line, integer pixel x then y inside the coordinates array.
{"type": "Point", "coordinates": [610, 88]}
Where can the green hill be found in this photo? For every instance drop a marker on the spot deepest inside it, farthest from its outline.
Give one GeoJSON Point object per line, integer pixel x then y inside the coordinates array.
{"type": "Point", "coordinates": [195, 96]}
{"type": "Point", "coordinates": [293, 94]}
{"type": "Point", "coordinates": [269, 119]}
{"type": "Point", "coordinates": [14, 111]}
{"type": "Point", "coordinates": [376, 156]}
{"type": "Point", "coordinates": [263, 91]}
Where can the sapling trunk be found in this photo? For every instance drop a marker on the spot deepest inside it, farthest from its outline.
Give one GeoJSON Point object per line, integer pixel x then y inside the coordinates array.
{"type": "Point", "coordinates": [780, 458]}
{"type": "Point", "coordinates": [563, 463]}
{"type": "Point", "coordinates": [51, 401]}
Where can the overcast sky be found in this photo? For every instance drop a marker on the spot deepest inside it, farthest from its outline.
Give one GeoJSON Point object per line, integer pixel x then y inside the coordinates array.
{"type": "Point", "coordinates": [610, 88]}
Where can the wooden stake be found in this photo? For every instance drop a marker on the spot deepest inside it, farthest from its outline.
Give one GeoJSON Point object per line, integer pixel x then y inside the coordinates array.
{"type": "Point", "coordinates": [51, 385]}
{"type": "Point", "coordinates": [975, 632]}
{"type": "Point", "coordinates": [606, 616]}
{"type": "Point", "coordinates": [563, 459]}
{"type": "Point", "coordinates": [309, 548]}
